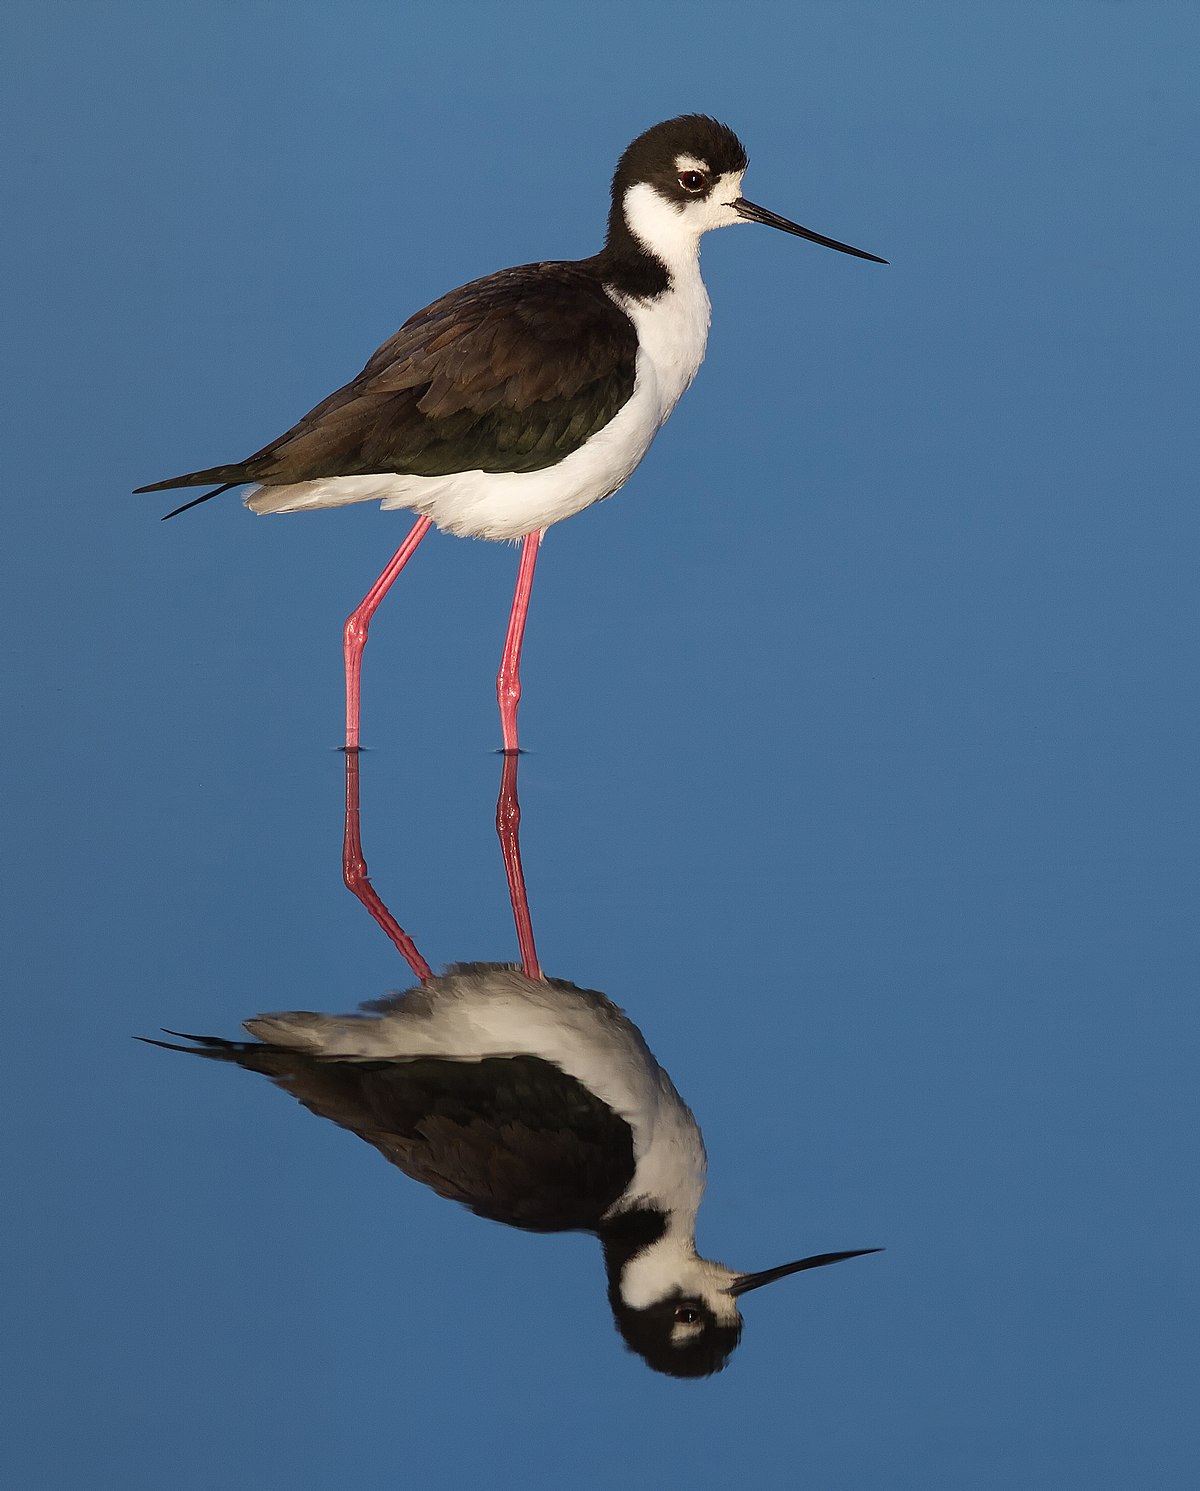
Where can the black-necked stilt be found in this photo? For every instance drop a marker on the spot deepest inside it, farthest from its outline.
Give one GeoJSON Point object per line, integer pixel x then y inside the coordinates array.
{"type": "Point", "coordinates": [537, 1104]}
{"type": "Point", "coordinates": [530, 1101]}
{"type": "Point", "coordinates": [522, 398]}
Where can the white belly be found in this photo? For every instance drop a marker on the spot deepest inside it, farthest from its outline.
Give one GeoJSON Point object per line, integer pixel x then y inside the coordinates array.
{"type": "Point", "coordinates": [672, 332]}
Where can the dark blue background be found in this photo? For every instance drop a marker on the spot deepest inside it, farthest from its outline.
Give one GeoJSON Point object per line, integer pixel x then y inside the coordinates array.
{"type": "Point", "coordinates": [863, 729]}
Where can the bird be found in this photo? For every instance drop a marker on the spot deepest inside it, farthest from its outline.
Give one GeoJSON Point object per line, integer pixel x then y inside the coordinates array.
{"type": "Point", "coordinates": [521, 398]}
{"type": "Point", "coordinates": [537, 1104]}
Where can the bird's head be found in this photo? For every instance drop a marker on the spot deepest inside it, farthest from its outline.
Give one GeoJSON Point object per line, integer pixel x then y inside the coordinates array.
{"type": "Point", "coordinates": [683, 177]}
{"type": "Point", "coordinates": [679, 1311]}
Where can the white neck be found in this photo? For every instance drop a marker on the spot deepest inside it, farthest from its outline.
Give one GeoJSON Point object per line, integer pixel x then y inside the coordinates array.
{"type": "Point", "coordinates": [672, 231]}
{"type": "Point", "coordinates": [672, 236]}
{"type": "Point", "coordinates": [671, 1265]}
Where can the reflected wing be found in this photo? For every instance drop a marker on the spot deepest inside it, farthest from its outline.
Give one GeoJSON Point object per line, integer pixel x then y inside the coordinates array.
{"type": "Point", "coordinates": [514, 1138]}
{"type": "Point", "coordinates": [509, 373]}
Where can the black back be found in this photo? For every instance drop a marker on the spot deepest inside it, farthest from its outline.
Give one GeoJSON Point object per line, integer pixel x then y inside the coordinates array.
{"type": "Point", "coordinates": [509, 373]}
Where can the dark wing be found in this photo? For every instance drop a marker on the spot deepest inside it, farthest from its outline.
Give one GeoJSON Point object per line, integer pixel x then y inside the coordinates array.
{"type": "Point", "coordinates": [509, 373]}
{"type": "Point", "coordinates": [514, 1138]}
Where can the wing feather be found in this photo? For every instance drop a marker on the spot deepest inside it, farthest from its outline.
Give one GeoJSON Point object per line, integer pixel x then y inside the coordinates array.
{"type": "Point", "coordinates": [509, 373]}
{"type": "Point", "coordinates": [513, 1138]}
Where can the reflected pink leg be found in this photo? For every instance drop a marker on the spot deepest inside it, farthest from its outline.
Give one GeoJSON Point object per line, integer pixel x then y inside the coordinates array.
{"type": "Point", "coordinates": [354, 873]}
{"type": "Point", "coordinates": [354, 634]}
{"type": "Point", "coordinates": [508, 680]}
{"type": "Point", "coordinates": [508, 826]}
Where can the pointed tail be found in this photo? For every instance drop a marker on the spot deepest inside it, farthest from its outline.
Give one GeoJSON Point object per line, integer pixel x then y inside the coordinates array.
{"type": "Point", "coordinates": [228, 476]}
{"type": "Point", "coordinates": [252, 1055]}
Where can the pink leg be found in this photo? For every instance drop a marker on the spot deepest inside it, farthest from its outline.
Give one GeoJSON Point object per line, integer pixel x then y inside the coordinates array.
{"type": "Point", "coordinates": [354, 635]}
{"type": "Point", "coordinates": [508, 680]}
{"type": "Point", "coordinates": [508, 826]}
{"type": "Point", "coordinates": [354, 873]}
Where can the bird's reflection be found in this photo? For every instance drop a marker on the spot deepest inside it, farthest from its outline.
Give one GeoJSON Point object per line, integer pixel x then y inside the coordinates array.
{"type": "Point", "coordinates": [531, 1101]}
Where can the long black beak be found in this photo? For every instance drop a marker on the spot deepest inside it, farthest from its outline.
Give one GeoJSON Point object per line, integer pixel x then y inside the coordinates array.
{"type": "Point", "coordinates": [768, 1276]}
{"type": "Point", "coordinates": [755, 214]}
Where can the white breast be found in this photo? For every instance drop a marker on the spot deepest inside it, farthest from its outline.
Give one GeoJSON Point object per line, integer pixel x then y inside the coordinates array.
{"type": "Point", "coordinates": [672, 333]}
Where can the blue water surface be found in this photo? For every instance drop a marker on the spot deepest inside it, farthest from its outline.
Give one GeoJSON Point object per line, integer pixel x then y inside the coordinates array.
{"type": "Point", "coordinates": [862, 730]}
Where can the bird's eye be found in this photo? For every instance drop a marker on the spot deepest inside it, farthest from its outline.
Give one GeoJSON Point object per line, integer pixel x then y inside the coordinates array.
{"type": "Point", "coordinates": [685, 1314]}
{"type": "Point", "coordinates": [692, 181]}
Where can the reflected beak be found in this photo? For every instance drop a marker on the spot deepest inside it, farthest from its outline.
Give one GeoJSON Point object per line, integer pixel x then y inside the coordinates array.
{"type": "Point", "coordinates": [755, 214]}
{"type": "Point", "coordinates": [745, 1282]}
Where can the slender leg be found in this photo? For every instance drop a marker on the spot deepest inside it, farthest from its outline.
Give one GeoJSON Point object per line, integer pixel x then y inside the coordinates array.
{"type": "Point", "coordinates": [508, 827]}
{"type": "Point", "coordinates": [354, 873]}
{"type": "Point", "coordinates": [354, 635]}
{"type": "Point", "coordinates": [508, 680]}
